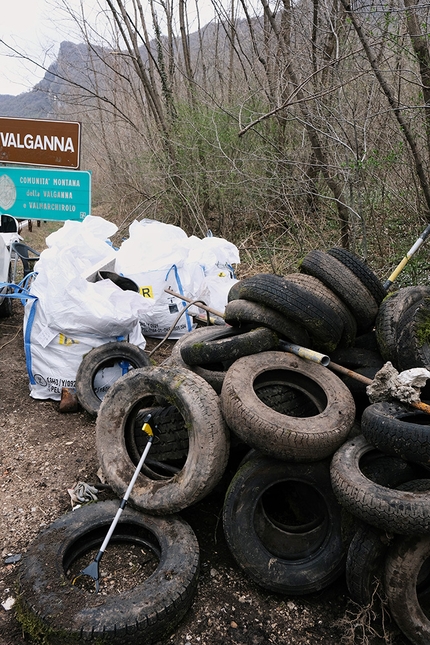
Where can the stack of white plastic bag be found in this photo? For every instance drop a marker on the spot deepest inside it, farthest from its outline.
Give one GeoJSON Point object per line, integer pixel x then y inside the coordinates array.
{"type": "Point", "coordinates": [157, 256]}
{"type": "Point", "coordinates": [66, 315]}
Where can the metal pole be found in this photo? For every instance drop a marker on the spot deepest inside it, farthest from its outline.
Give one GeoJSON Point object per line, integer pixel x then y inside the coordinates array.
{"type": "Point", "coordinates": [409, 254]}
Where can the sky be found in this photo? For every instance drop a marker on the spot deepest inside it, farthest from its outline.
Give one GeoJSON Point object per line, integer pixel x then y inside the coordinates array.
{"type": "Point", "coordinates": [36, 28]}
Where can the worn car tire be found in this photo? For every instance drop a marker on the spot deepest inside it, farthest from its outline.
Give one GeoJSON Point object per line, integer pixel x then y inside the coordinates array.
{"type": "Point", "coordinates": [345, 284]}
{"type": "Point", "coordinates": [310, 438]}
{"type": "Point", "coordinates": [240, 313]}
{"type": "Point", "coordinates": [295, 302]}
{"type": "Point", "coordinates": [398, 430]}
{"type": "Point", "coordinates": [99, 358]}
{"type": "Point", "coordinates": [212, 373]}
{"type": "Point", "coordinates": [368, 278]}
{"type": "Point", "coordinates": [365, 561]}
{"type": "Point", "coordinates": [283, 525]}
{"type": "Point", "coordinates": [219, 344]}
{"type": "Point", "coordinates": [395, 511]}
{"type": "Point", "coordinates": [315, 288]}
{"type": "Point", "coordinates": [144, 613]}
{"type": "Point", "coordinates": [413, 340]}
{"type": "Point", "coordinates": [403, 570]}
{"type": "Point", "coordinates": [208, 439]}
{"type": "Point", "coordinates": [391, 311]}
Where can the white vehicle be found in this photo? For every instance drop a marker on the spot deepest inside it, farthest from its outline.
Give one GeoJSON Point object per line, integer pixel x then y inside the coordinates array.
{"type": "Point", "coordinates": [9, 238]}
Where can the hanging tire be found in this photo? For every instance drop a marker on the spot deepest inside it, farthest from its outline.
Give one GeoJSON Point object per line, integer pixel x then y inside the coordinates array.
{"type": "Point", "coordinates": [226, 344]}
{"type": "Point", "coordinates": [345, 285]}
{"type": "Point", "coordinates": [398, 430]}
{"type": "Point", "coordinates": [407, 586]}
{"type": "Point", "coordinates": [365, 274]}
{"type": "Point", "coordinates": [207, 435]}
{"type": "Point", "coordinates": [391, 311]}
{"type": "Point", "coordinates": [120, 356]}
{"type": "Point", "coordinates": [395, 511]}
{"type": "Point", "coordinates": [283, 525]}
{"type": "Point", "coordinates": [145, 613]}
{"type": "Point", "coordinates": [331, 407]}
{"type": "Point", "coordinates": [240, 313]}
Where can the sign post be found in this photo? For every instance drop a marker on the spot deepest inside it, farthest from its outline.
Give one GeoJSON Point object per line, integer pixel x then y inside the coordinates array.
{"type": "Point", "coordinates": [38, 142]}
{"type": "Point", "coordinates": [45, 194]}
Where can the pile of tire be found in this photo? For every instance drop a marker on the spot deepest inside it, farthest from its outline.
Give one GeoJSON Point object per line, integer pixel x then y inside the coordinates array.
{"type": "Point", "coordinates": [311, 492]}
{"type": "Point", "coordinates": [389, 554]}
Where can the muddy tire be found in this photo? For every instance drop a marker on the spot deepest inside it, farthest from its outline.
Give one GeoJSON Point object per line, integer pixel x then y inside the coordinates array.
{"type": "Point", "coordinates": [170, 432]}
{"type": "Point", "coordinates": [144, 613]}
{"type": "Point", "coordinates": [208, 449]}
{"type": "Point", "coordinates": [296, 303]}
{"type": "Point", "coordinates": [367, 551]}
{"type": "Point", "coordinates": [345, 284]}
{"type": "Point", "coordinates": [239, 313]}
{"type": "Point", "coordinates": [391, 311]}
{"type": "Point", "coordinates": [310, 438]}
{"type": "Point", "coordinates": [212, 373]}
{"type": "Point", "coordinates": [316, 288]}
{"type": "Point", "coordinates": [398, 430]}
{"type": "Point", "coordinates": [413, 346]}
{"type": "Point", "coordinates": [290, 547]}
{"type": "Point", "coordinates": [395, 511]}
{"type": "Point", "coordinates": [219, 344]}
{"type": "Point", "coordinates": [360, 269]}
{"type": "Point", "coordinates": [98, 359]}
{"type": "Point", "coordinates": [406, 580]}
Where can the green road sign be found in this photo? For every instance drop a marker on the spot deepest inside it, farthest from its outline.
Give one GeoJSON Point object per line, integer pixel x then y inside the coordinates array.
{"type": "Point", "coordinates": [39, 193]}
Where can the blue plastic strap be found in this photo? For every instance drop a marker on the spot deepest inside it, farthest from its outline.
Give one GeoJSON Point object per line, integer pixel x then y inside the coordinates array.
{"type": "Point", "coordinates": [17, 290]}
{"type": "Point", "coordinates": [27, 341]}
{"type": "Point", "coordinates": [233, 275]}
{"type": "Point", "coordinates": [181, 291]}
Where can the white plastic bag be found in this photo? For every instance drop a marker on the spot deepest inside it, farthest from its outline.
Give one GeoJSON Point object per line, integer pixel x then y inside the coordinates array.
{"type": "Point", "coordinates": [71, 304]}
{"type": "Point", "coordinates": [53, 357]}
{"type": "Point", "coordinates": [163, 315]}
{"type": "Point", "coordinates": [158, 256]}
{"type": "Point", "coordinates": [66, 315]}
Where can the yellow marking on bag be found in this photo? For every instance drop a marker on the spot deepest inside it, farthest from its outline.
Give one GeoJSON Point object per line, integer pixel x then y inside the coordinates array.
{"type": "Point", "coordinates": [65, 340]}
{"type": "Point", "coordinates": [146, 292]}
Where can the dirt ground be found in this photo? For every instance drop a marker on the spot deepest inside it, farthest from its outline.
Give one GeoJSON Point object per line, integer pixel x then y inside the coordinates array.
{"type": "Point", "coordinates": [44, 452]}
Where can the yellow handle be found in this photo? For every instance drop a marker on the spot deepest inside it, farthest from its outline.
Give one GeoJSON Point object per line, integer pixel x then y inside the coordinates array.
{"type": "Point", "coordinates": [147, 428]}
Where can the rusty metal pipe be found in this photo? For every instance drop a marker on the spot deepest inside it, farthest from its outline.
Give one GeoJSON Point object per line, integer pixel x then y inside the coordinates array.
{"type": "Point", "coordinates": [419, 405]}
